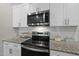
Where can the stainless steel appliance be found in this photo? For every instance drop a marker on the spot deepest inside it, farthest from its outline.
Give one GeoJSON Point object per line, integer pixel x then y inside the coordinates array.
{"type": "Point", "coordinates": [38, 45]}
{"type": "Point", "coordinates": [40, 18]}
{"type": "Point", "coordinates": [41, 39]}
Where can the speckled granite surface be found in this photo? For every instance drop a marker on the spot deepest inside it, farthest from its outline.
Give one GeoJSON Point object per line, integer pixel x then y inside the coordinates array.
{"type": "Point", "coordinates": [16, 40]}
{"type": "Point", "coordinates": [69, 47]}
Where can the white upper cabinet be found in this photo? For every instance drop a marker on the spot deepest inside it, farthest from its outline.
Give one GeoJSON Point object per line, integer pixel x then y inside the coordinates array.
{"type": "Point", "coordinates": [33, 7]}
{"type": "Point", "coordinates": [66, 14]}
{"type": "Point", "coordinates": [19, 16]}
{"type": "Point", "coordinates": [42, 6]}
{"type": "Point", "coordinates": [56, 14]}
{"type": "Point", "coordinates": [23, 19]}
{"type": "Point", "coordinates": [30, 7]}
{"type": "Point", "coordinates": [16, 16]}
{"type": "Point", "coordinates": [71, 13]}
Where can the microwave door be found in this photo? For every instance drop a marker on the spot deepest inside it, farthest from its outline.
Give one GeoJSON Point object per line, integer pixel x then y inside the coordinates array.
{"type": "Point", "coordinates": [39, 18]}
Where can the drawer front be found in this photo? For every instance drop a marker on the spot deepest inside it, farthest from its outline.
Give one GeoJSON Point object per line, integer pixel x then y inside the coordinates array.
{"type": "Point", "coordinates": [7, 43]}
{"type": "Point", "coordinates": [11, 49]}
{"type": "Point", "coordinates": [16, 45]}
{"type": "Point", "coordinates": [12, 44]}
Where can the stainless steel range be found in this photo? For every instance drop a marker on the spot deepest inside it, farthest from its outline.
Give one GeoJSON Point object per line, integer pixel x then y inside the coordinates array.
{"type": "Point", "coordinates": [41, 39]}
{"type": "Point", "coordinates": [38, 45]}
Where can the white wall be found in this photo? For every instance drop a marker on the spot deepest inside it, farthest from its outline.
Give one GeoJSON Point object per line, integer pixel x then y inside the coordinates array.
{"type": "Point", "coordinates": [6, 30]}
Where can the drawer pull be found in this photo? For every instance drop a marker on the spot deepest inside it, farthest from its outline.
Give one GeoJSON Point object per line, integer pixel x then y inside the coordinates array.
{"type": "Point", "coordinates": [10, 51]}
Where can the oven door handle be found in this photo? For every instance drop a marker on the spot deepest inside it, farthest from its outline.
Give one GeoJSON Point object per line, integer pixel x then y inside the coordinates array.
{"type": "Point", "coordinates": [34, 49]}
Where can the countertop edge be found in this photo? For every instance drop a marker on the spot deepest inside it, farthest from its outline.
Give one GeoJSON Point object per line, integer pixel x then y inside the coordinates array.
{"type": "Point", "coordinates": [15, 40]}
{"type": "Point", "coordinates": [65, 51]}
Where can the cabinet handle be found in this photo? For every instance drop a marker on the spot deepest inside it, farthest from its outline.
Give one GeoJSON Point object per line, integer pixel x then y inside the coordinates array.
{"type": "Point", "coordinates": [44, 17]}
{"type": "Point", "coordinates": [65, 21]}
{"type": "Point", "coordinates": [10, 51]}
{"type": "Point", "coordinates": [68, 20]}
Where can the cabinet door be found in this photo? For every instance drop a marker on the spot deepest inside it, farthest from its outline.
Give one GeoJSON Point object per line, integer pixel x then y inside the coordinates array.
{"type": "Point", "coordinates": [16, 49]}
{"type": "Point", "coordinates": [16, 16]}
{"type": "Point", "coordinates": [56, 14]}
{"type": "Point", "coordinates": [23, 19]}
{"type": "Point", "coordinates": [20, 16]}
{"type": "Point", "coordinates": [7, 50]}
{"type": "Point", "coordinates": [42, 6]}
{"type": "Point", "coordinates": [31, 7]}
{"type": "Point", "coordinates": [11, 49]}
{"type": "Point", "coordinates": [72, 13]}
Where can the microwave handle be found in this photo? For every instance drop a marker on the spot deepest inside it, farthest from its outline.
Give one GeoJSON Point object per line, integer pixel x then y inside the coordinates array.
{"type": "Point", "coordinates": [44, 17]}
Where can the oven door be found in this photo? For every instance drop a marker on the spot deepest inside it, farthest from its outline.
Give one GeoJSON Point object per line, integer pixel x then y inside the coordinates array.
{"type": "Point", "coordinates": [29, 51]}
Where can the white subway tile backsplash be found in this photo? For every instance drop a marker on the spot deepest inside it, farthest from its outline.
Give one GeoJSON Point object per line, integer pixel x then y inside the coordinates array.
{"type": "Point", "coordinates": [63, 31]}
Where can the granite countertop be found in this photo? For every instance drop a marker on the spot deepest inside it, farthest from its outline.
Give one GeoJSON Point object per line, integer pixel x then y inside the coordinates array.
{"type": "Point", "coordinates": [17, 40]}
{"type": "Point", "coordinates": [69, 47]}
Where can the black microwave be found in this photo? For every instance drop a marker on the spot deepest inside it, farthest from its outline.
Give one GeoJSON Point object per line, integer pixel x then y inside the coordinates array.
{"type": "Point", "coordinates": [40, 18]}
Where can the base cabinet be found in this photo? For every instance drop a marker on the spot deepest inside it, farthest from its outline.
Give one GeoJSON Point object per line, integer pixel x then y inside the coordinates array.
{"type": "Point", "coordinates": [57, 53]}
{"type": "Point", "coordinates": [11, 49]}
